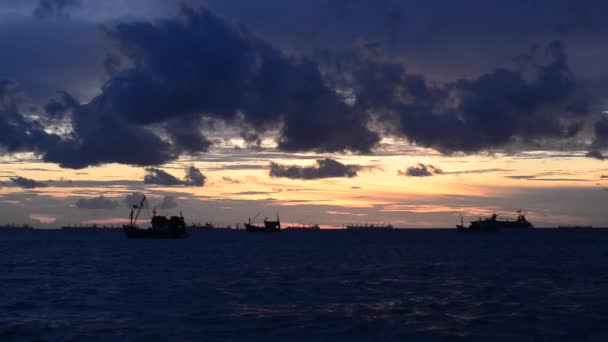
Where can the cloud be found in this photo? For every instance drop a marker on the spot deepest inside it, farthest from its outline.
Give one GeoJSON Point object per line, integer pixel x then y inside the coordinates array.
{"type": "Point", "coordinates": [193, 177]}
{"type": "Point", "coordinates": [54, 8]}
{"type": "Point", "coordinates": [529, 177]}
{"type": "Point", "coordinates": [595, 154]}
{"type": "Point", "coordinates": [100, 202]}
{"type": "Point", "coordinates": [27, 183]}
{"type": "Point", "coordinates": [475, 171]}
{"type": "Point", "coordinates": [217, 69]}
{"type": "Point", "coordinates": [171, 77]}
{"type": "Point", "coordinates": [59, 107]}
{"type": "Point", "coordinates": [251, 193]}
{"type": "Point", "coordinates": [134, 199]}
{"type": "Point", "coordinates": [473, 115]}
{"type": "Point", "coordinates": [18, 132]}
{"type": "Point", "coordinates": [421, 170]}
{"type": "Point", "coordinates": [324, 168]}
{"type": "Point", "coordinates": [159, 177]}
{"type": "Point", "coordinates": [168, 203]}
{"type": "Point", "coordinates": [230, 180]}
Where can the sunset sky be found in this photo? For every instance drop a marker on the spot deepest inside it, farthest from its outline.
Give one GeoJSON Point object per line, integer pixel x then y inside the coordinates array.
{"type": "Point", "coordinates": [328, 112]}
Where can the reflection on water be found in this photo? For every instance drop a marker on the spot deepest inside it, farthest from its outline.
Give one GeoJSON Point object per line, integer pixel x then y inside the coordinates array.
{"type": "Point", "coordinates": [386, 285]}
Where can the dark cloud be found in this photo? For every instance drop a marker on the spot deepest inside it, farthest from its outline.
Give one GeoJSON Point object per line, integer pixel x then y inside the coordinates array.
{"type": "Point", "coordinates": [54, 8]}
{"type": "Point", "coordinates": [199, 63]}
{"type": "Point", "coordinates": [595, 154]}
{"type": "Point", "coordinates": [172, 75]}
{"type": "Point", "coordinates": [27, 183]}
{"type": "Point", "coordinates": [100, 202]}
{"type": "Point", "coordinates": [59, 107]}
{"type": "Point", "coordinates": [522, 177]}
{"type": "Point", "coordinates": [159, 177]}
{"type": "Point", "coordinates": [18, 132]}
{"type": "Point", "coordinates": [193, 177]}
{"type": "Point", "coordinates": [324, 168]}
{"type": "Point", "coordinates": [168, 202]}
{"type": "Point", "coordinates": [181, 70]}
{"type": "Point", "coordinates": [601, 139]}
{"type": "Point", "coordinates": [421, 170]}
{"type": "Point", "coordinates": [251, 193]}
{"type": "Point", "coordinates": [134, 199]}
{"type": "Point", "coordinates": [469, 116]}
{"type": "Point", "coordinates": [50, 55]}
{"type": "Point", "coordinates": [230, 180]}
{"type": "Point", "coordinates": [122, 142]}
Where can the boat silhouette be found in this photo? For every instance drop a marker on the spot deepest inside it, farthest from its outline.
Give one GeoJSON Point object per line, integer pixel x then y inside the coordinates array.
{"type": "Point", "coordinates": [493, 223]}
{"type": "Point", "coordinates": [268, 227]}
{"type": "Point", "coordinates": [162, 227]}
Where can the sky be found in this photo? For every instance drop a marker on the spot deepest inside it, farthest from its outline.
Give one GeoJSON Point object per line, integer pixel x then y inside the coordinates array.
{"type": "Point", "coordinates": [328, 112]}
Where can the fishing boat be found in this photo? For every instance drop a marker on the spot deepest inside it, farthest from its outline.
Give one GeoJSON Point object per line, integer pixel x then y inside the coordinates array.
{"type": "Point", "coordinates": [268, 227]}
{"type": "Point", "coordinates": [162, 227]}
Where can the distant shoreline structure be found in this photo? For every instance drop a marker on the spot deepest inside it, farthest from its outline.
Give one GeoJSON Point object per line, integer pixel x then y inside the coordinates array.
{"type": "Point", "coordinates": [88, 227]}
{"type": "Point", "coordinates": [13, 226]}
{"type": "Point", "coordinates": [369, 227]}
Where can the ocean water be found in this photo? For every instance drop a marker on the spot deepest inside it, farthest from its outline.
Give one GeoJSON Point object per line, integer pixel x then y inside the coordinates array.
{"type": "Point", "coordinates": [392, 285]}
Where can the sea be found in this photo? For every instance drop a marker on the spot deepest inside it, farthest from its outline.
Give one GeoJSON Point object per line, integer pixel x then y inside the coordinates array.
{"type": "Point", "coordinates": [414, 285]}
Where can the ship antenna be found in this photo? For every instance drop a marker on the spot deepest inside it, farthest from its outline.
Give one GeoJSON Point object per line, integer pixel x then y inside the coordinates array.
{"type": "Point", "coordinates": [139, 209]}
{"type": "Point", "coordinates": [255, 217]}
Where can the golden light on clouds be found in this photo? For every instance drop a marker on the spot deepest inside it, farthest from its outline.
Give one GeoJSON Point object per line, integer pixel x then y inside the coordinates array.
{"type": "Point", "coordinates": [379, 192]}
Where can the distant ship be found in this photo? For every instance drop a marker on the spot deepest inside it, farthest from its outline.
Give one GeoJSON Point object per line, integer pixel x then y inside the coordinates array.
{"type": "Point", "coordinates": [492, 223]}
{"type": "Point", "coordinates": [86, 227]}
{"type": "Point", "coordinates": [198, 226]}
{"type": "Point", "coordinates": [12, 226]}
{"type": "Point", "coordinates": [370, 227]}
{"type": "Point", "coordinates": [303, 227]}
{"type": "Point", "coordinates": [574, 227]}
{"type": "Point", "coordinates": [269, 226]}
{"type": "Point", "coordinates": [162, 227]}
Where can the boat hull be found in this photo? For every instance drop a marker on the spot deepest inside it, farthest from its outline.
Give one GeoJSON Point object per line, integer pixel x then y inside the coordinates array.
{"type": "Point", "coordinates": [137, 233]}
{"type": "Point", "coordinates": [482, 230]}
{"type": "Point", "coordinates": [255, 229]}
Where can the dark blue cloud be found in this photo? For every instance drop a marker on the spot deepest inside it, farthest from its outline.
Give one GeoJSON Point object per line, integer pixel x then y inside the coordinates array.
{"type": "Point", "coordinates": [324, 168]}
{"type": "Point", "coordinates": [50, 8]}
{"type": "Point", "coordinates": [94, 203]}
{"type": "Point", "coordinates": [193, 177]}
{"type": "Point", "coordinates": [421, 170]}
{"type": "Point", "coordinates": [18, 132]}
{"type": "Point", "coordinates": [50, 56]}
{"type": "Point", "coordinates": [167, 78]}
{"type": "Point", "coordinates": [27, 183]}
{"type": "Point", "coordinates": [472, 115]}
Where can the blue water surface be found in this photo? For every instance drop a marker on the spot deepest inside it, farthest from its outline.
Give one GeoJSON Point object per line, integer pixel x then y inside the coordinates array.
{"type": "Point", "coordinates": [342, 285]}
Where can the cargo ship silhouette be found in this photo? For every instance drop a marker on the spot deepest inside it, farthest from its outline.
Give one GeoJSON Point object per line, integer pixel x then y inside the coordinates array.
{"type": "Point", "coordinates": [370, 227]}
{"type": "Point", "coordinates": [493, 223]}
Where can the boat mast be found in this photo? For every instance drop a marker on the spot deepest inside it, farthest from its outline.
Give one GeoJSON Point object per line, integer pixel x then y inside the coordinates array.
{"type": "Point", "coordinates": [139, 209]}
